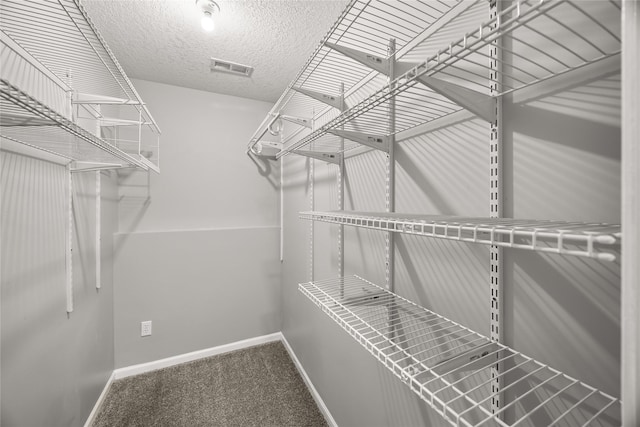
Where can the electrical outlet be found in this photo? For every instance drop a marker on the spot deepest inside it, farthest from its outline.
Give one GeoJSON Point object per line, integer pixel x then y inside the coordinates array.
{"type": "Point", "coordinates": [145, 328]}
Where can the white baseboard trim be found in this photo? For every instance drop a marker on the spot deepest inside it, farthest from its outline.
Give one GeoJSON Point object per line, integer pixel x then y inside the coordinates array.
{"type": "Point", "coordinates": [105, 390]}
{"type": "Point", "coordinates": [316, 396]}
{"type": "Point", "coordinates": [194, 355]}
{"type": "Point", "coordinates": [200, 354]}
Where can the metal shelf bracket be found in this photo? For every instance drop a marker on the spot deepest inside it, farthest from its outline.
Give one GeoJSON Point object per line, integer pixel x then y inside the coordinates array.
{"type": "Point", "coordinates": [480, 104]}
{"type": "Point", "coordinates": [330, 100]}
{"type": "Point", "coordinates": [88, 98]}
{"type": "Point", "coordinates": [374, 62]}
{"type": "Point", "coordinates": [93, 166]}
{"type": "Point", "coordinates": [335, 158]}
{"type": "Point", "coordinates": [472, 360]}
{"type": "Point", "coordinates": [302, 121]}
{"type": "Point", "coordinates": [112, 121]}
{"type": "Point", "coordinates": [379, 142]}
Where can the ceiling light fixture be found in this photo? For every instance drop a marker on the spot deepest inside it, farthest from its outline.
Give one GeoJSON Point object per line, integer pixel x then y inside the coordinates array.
{"type": "Point", "coordinates": [208, 7]}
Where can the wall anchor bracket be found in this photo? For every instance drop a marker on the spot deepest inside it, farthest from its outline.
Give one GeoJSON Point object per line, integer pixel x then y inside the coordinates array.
{"type": "Point", "coordinates": [330, 100]}
{"type": "Point", "coordinates": [379, 142]}
{"type": "Point", "coordinates": [478, 103]}
{"type": "Point", "coordinates": [374, 62]}
{"type": "Point", "coordinates": [302, 121]}
{"type": "Point", "coordinates": [334, 158]}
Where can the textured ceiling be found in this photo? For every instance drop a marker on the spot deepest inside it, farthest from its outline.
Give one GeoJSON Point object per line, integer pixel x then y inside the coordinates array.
{"type": "Point", "coordinates": [162, 41]}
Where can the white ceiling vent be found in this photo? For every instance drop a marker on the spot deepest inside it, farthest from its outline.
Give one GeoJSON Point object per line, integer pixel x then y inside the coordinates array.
{"type": "Point", "coordinates": [219, 65]}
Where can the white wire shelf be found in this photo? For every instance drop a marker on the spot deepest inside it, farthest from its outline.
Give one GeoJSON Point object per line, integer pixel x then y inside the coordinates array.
{"type": "Point", "coordinates": [29, 122]}
{"type": "Point", "coordinates": [363, 25]}
{"type": "Point", "coordinates": [593, 240]}
{"type": "Point", "coordinates": [51, 48]}
{"type": "Point", "coordinates": [538, 40]}
{"type": "Point", "coordinates": [453, 368]}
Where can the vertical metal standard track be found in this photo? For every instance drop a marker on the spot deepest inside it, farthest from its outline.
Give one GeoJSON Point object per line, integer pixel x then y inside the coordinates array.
{"type": "Point", "coordinates": [0, 305]}
{"type": "Point", "coordinates": [69, 241]}
{"type": "Point", "coordinates": [495, 211]}
{"type": "Point", "coordinates": [281, 207]}
{"type": "Point", "coordinates": [390, 195]}
{"type": "Point", "coordinates": [69, 228]}
{"type": "Point", "coordinates": [390, 184]}
{"type": "Point", "coordinates": [341, 194]}
{"type": "Point", "coordinates": [630, 295]}
{"type": "Point", "coordinates": [341, 178]}
{"type": "Point", "coordinates": [311, 205]}
{"type": "Point", "coordinates": [98, 232]}
{"type": "Point", "coordinates": [139, 132]}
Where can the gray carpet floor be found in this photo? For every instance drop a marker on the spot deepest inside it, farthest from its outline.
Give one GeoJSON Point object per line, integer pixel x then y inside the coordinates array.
{"type": "Point", "coordinates": [258, 386]}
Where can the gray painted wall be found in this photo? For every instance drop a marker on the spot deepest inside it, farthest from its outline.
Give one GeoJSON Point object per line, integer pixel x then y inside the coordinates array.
{"type": "Point", "coordinates": [198, 247]}
{"type": "Point", "coordinates": [562, 161]}
{"type": "Point", "coordinates": [206, 180]}
{"type": "Point", "coordinates": [197, 253]}
{"type": "Point", "coordinates": [200, 288]}
{"type": "Point", "coordinates": [54, 366]}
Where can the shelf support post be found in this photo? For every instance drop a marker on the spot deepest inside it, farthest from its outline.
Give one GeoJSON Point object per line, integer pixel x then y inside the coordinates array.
{"type": "Point", "coordinates": [98, 232]}
{"type": "Point", "coordinates": [341, 178]}
{"type": "Point", "coordinates": [69, 241]}
{"type": "Point", "coordinates": [312, 204]}
{"type": "Point", "coordinates": [495, 211]}
{"type": "Point", "coordinates": [630, 294]}
{"type": "Point", "coordinates": [281, 201]}
{"type": "Point", "coordinates": [391, 174]}
{"type": "Point", "coordinates": [140, 133]}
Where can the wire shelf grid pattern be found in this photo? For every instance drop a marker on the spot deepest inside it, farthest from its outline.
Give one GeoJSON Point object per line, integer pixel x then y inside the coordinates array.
{"type": "Point", "coordinates": [50, 30]}
{"type": "Point", "coordinates": [364, 25]}
{"type": "Point", "coordinates": [593, 240]}
{"type": "Point", "coordinates": [541, 39]}
{"type": "Point", "coordinates": [27, 121]}
{"type": "Point", "coordinates": [449, 366]}
{"type": "Point", "coordinates": [414, 104]}
{"type": "Point", "coordinates": [566, 35]}
{"type": "Point", "coordinates": [64, 54]}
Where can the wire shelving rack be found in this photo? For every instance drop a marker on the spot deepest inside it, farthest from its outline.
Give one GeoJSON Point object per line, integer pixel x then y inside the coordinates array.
{"type": "Point", "coordinates": [452, 367]}
{"type": "Point", "coordinates": [60, 85]}
{"type": "Point", "coordinates": [592, 240]}
{"type": "Point", "coordinates": [427, 83]}
{"type": "Point", "coordinates": [364, 25]}
{"type": "Point", "coordinates": [585, 40]}
{"type": "Point", "coordinates": [62, 91]}
{"type": "Point", "coordinates": [27, 121]}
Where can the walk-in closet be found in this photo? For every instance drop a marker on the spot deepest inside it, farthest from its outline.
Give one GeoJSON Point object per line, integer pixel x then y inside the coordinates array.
{"type": "Point", "coordinates": [322, 213]}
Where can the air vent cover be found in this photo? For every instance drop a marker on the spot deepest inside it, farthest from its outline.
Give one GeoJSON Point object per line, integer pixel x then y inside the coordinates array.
{"type": "Point", "coordinates": [219, 65]}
